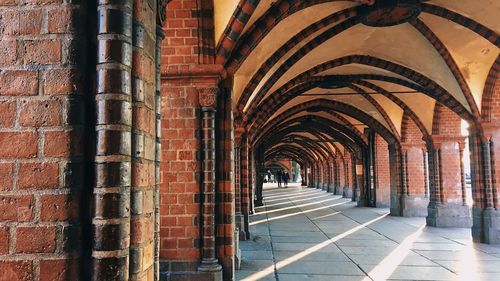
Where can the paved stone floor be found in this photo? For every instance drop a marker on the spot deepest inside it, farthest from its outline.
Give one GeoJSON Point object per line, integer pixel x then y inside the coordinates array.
{"type": "Point", "coordinates": [307, 234]}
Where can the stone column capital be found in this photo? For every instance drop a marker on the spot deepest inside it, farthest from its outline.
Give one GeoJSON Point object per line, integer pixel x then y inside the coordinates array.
{"type": "Point", "coordinates": [438, 140]}
{"type": "Point", "coordinates": [161, 16]}
{"type": "Point", "coordinates": [405, 146]}
{"type": "Point", "coordinates": [207, 97]}
{"type": "Point", "coordinates": [490, 129]}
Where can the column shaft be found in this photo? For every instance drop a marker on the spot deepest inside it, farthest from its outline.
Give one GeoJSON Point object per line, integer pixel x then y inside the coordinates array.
{"type": "Point", "coordinates": [208, 261]}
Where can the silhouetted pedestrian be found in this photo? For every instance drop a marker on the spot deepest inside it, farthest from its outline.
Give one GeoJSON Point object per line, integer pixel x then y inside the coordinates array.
{"type": "Point", "coordinates": [286, 177]}
{"type": "Point", "coordinates": [279, 176]}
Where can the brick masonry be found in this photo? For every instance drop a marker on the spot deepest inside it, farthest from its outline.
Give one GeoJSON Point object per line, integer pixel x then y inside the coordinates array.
{"type": "Point", "coordinates": [42, 95]}
{"type": "Point", "coordinates": [52, 130]}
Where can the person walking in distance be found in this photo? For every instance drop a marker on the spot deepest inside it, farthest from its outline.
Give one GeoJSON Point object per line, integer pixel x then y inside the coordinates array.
{"type": "Point", "coordinates": [286, 177]}
{"type": "Point", "coordinates": [279, 176]}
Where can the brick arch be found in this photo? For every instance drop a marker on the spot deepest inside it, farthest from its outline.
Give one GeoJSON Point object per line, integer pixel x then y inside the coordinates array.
{"type": "Point", "coordinates": [299, 158]}
{"type": "Point", "coordinates": [450, 62]}
{"type": "Point", "coordinates": [307, 143]}
{"type": "Point", "coordinates": [237, 23]}
{"type": "Point", "coordinates": [300, 151]}
{"type": "Point", "coordinates": [289, 132]}
{"type": "Point", "coordinates": [379, 108]}
{"type": "Point", "coordinates": [407, 110]}
{"type": "Point", "coordinates": [338, 107]}
{"type": "Point", "coordinates": [234, 58]}
{"type": "Point", "coordinates": [274, 162]}
{"type": "Point", "coordinates": [491, 95]}
{"type": "Point", "coordinates": [349, 144]}
{"type": "Point", "coordinates": [266, 67]}
{"type": "Point", "coordinates": [278, 120]}
{"type": "Point", "coordinates": [330, 124]}
{"type": "Point", "coordinates": [464, 21]}
{"type": "Point", "coordinates": [423, 84]}
{"type": "Point", "coordinates": [434, 90]}
{"type": "Point", "coordinates": [445, 121]}
{"type": "Point", "coordinates": [410, 131]}
{"type": "Point", "coordinates": [251, 39]}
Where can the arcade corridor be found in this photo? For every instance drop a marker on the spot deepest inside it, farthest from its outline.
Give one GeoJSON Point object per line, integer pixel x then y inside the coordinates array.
{"type": "Point", "coordinates": [307, 234]}
{"type": "Point", "coordinates": [137, 137]}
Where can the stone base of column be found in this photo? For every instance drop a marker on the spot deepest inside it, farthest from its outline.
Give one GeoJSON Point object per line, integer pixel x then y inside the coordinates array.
{"type": "Point", "coordinates": [239, 220]}
{"type": "Point", "coordinates": [319, 185]}
{"type": "Point", "coordinates": [347, 192]}
{"type": "Point", "coordinates": [311, 185]}
{"type": "Point", "coordinates": [339, 190]}
{"type": "Point", "coordinates": [324, 186]}
{"type": "Point", "coordinates": [395, 208]}
{"type": "Point", "coordinates": [362, 202]}
{"type": "Point", "coordinates": [187, 270]}
{"type": "Point", "coordinates": [414, 206]}
{"type": "Point", "coordinates": [331, 188]}
{"type": "Point", "coordinates": [448, 215]}
{"type": "Point", "coordinates": [486, 225]}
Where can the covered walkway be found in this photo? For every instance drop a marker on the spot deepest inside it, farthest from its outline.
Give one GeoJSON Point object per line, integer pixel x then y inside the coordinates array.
{"type": "Point", "coordinates": [307, 234]}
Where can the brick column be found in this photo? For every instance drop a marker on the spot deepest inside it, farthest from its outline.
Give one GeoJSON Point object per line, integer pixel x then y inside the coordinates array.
{"type": "Point", "coordinates": [446, 207]}
{"type": "Point", "coordinates": [312, 176]}
{"type": "Point", "coordinates": [208, 102]}
{"type": "Point", "coordinates": [111, 217]}
{"type": "Point", "coordinates": [335, 179]}
{"type": "Point", "coordinates": [317, 176]}
{"type": "Point", "coordinates": [259, 179]}
{"type": "Point", "coordinates": [382, 172]}
{"type": "Point", "coordinates": [347, 190]}
{"type": "Point", "coordinates": [304, 174]}
{"type": "Point", "coordinates": [142, 240]}
{"type": "Point", "coordinates": [414, 199]}
{"type": "Point", "coordinates": [225, 194]}
{"type": "Point", "coordinates": [239, 217]}
{"type": "Point", "coordinates": [485, 166]}
{"type": "Point", "coordinates": [325, 175]}
{"type": "Point", "coordinates": [396, 178]}
{"type": "Point", "coordinates": [339, 187]}
{"type": "Point", "coordinates": [245, 185]}
{"type": "Point", "coordinates": [252, 177]}
{"type": "Point", "coordinates": [360, 189]}
{"type": "Point", "coordinates": [331, 175]}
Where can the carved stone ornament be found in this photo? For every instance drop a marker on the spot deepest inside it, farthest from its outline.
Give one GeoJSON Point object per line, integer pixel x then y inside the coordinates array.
{"type": "Point", "coordinates": [162, 11]}
{"type": "Point", "coordinates": [382, 13]}
{"type": "Point", "coordinates": [207, 97]}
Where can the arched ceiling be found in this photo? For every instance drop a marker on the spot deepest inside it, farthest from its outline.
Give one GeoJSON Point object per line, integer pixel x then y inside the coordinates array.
{"type": "Point", "coordinates": [286, 49]}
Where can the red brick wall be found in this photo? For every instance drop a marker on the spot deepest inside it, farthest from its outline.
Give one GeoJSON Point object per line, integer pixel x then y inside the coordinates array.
{"type": "Point", "coordinates": [446, 129]}
{"type": "Point", "coordinates": [446, 122]}
{"type": "Point", "coordinates": [180, 186]}
{"type": "Point", "coordinates": [348, 161]}
{"type": "Point", "coordinates": [415, 171]}
{"type": "Point", "coordinates": [495, 101]}
{"type": "Point", "coordinates": [450, 172]}
{"type": "Point", "coordinates": [41, 156]}
{"type": "Point", "coordinates": [382, 172]}
{"type": "Point", "coordinates": [340, 174]}
{"type": "Point", "coordinates": [412, 145]}
{"type": "Point", "coordinates": [180, 167]}
{"type": "Point", "coordinates": [181, 44]}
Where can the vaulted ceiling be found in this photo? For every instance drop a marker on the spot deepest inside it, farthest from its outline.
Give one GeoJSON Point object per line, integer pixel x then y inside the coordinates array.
{"type": "Point", "coordinates": [285, 54]}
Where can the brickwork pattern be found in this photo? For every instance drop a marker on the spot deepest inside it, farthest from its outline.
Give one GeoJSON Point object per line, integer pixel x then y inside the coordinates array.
{"type": "Point", "coordinates": [382, 171]}
{"type": "Point", "coordinates": [179, 199]}
{"type": "Point", "coordinates": [225, 191]}
{"type": "Point", "coordinates": [143, 142]}
{"type": "Point", "coordinates": [41, 137]}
